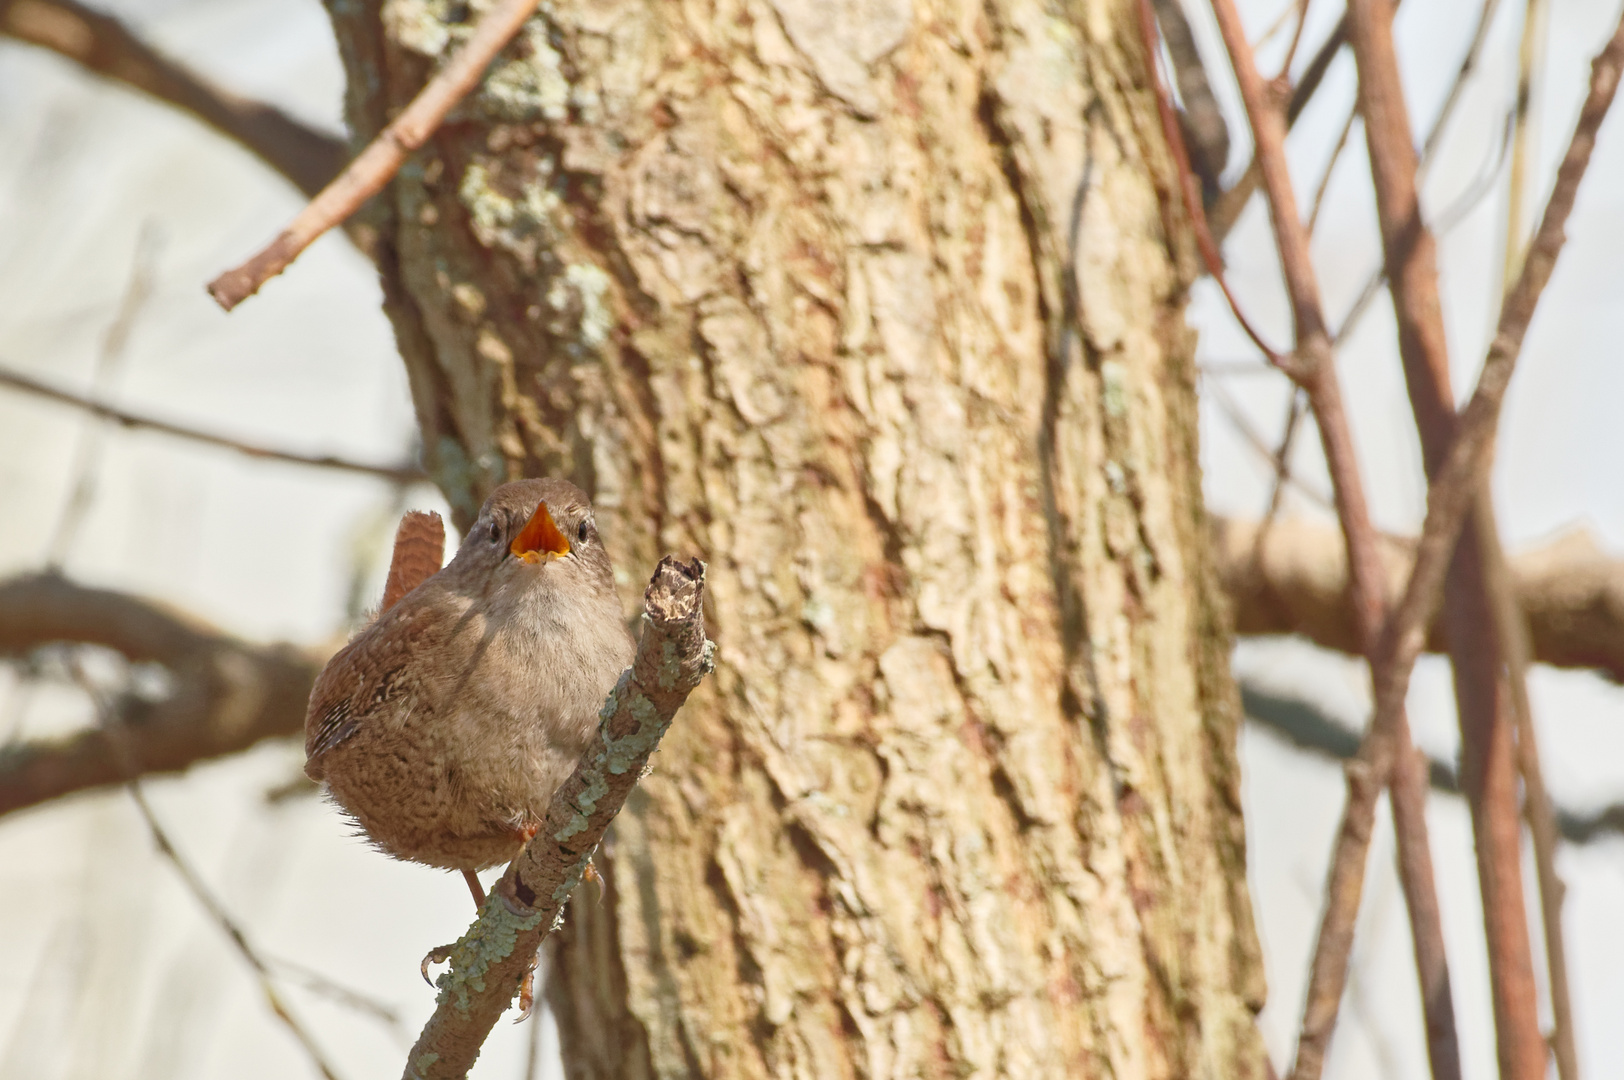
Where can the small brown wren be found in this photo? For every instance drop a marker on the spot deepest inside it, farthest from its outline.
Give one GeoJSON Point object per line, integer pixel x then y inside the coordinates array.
{"type": "Point", "coordinates": [445, 726]}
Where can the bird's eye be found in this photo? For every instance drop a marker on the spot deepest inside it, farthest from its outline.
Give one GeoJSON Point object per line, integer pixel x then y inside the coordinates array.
{"type": "Point", "coordinates": [495, 533]}
{"type": "Point", "coordinates": [580, 533]}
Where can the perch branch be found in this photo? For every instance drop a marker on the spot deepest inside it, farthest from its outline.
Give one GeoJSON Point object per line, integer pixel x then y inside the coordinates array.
{"type": "Point", "coordinates": [102, 44]}
{"type": "Point", "coordinates": [486, 965]}
{"type": "Point", "coordinates": [399, 474]}
{"type": "Point", "coordinates": [377, 164]}
{"type": "Point", "coordinates": [226, 696]}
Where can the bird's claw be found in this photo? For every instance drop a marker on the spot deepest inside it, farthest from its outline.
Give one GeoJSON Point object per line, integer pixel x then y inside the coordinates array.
{"type": "Point", "coordinates": [437, 955]}
{"type": "Point", "coordinates": [527, 994]}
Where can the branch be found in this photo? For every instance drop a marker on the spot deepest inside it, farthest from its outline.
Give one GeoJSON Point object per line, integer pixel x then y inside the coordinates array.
{"type": "Point", "coordinates": [377, 164]}
{"type": "Point", "coordinates": [1389, 739]}
{"type": "Point", "coordinates": [399, 474]}
{"type": "Point", "coordinates": [1294, 580]}
{"type": "Point", "coordinates": [1202, 121]}
{"type": "Point", "coordinates": [487, 964]}
{"type": "Point", "coordinates": [1308, 727]}
{"type": "Point", "coordinates": [227, 694]}
{"type": "Point", "coordinates": [1455, 485]}
{"type": "Point", "coordinates": [100, 43]}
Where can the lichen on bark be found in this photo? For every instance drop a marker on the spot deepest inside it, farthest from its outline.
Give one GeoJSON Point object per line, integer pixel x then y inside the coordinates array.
{"type": "Point", "coordinates": [875, 307]}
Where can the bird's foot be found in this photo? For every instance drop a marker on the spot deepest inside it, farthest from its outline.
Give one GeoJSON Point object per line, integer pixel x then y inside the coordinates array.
{"type": "Point", "coordinates": [437, 955]}
{"type": "Point", "coordinates": [527, 994]}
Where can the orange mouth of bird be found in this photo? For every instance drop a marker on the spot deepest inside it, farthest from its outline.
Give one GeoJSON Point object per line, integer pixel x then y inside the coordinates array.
{"type": "Point", "coordinates": [540, 540]}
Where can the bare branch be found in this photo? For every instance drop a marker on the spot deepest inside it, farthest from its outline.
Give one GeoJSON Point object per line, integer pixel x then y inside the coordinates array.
{"type": "Point", "coordinates": [673, 656]}
{"type": "Point", "coordinates": [227, 694]}
{"type": "Point", "coordinates": [102, 44]}
{"type": "Point", "coordinates": [1193, 208]}
{"type": "Point", "coordinates": [399, 474]}
{"type": "Point", "coordinates": [1294, 581]}
{"type": "Point", "coordinates": [377, 164]}
{"type": "Point", "coordinates": [1389, 738]}
{"type": "Point", "coordinates": [1456, 483]}
{"type": "Point", "coordinates": [1308, 727]}
{"type": "Point", "coordinates": [1202, 121]}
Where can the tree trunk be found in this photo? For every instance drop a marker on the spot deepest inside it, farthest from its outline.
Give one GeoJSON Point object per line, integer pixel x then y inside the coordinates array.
{"type": "Point", "coordinates": [872, 305]}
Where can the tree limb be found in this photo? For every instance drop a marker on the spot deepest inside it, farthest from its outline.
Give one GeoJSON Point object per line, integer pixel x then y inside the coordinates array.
{"type": "Point", "coordinates": [1293, 580]}
{"type": "Point", "coordinates": [100, 43]}
{"type": "Point", "coordinates": [1308, 727]}
{"type": "Point", "coordinates": [673, 656]}
{"type": "Point", "coordinates": [226, 694]}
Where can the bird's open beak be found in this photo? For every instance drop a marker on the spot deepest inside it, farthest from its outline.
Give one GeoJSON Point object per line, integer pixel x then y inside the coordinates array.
{"type": "Point", "coordinates": [539, 540]}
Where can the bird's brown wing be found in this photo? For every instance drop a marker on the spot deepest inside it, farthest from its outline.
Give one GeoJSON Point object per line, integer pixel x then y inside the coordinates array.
{"type": "Point", "coordinates": [419, 551]}
{"type": "Point", "coordinates": [366, 676]}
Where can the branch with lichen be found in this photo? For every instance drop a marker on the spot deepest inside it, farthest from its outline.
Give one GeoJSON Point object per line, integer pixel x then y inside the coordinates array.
{"type": "Point", "coordinates": [673, 656]}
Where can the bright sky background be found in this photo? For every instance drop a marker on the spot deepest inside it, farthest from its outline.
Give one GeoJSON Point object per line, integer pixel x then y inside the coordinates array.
{"type": "Point", "coordinates": [113, 972]}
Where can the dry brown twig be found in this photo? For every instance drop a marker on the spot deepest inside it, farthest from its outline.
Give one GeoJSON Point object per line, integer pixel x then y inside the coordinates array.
{"type": "Point", "coordinates": [1189, 192]}
{"type": "Point", "coordinates": [399, 474]}
{"type": "Point", "coordinates": [1477, 628]}
{"type": "Point", "coordinates": [104, 45]}
{"type": "Point", "coordinates": [1387, 759]}
{"type": "Point", "coordinates": [375, 166]}
{"type": "Point", "coordinates": [1455, 483]}
{"type": "Point", "coordinates": [110, 724]}
{"type": "Point", "coordinates": [673, 656]}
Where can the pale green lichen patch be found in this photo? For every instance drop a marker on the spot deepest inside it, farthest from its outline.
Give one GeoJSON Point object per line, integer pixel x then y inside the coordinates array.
{"type": "Point", "coordinates": [567, 886]}
{"type": "Point", "coordinates": [521, 224]}
{"type": "Point", "coordinates": [419, 25]}
{"type": "Point", "coordinates": [487, 943]}
{"type": "Point", "coordinates": [625, 752]}
{"type": "Point", "coordinates": [530, 86]}
{"type": "Point", "coordinates": [582, 288]}
{"type": "Point", "coordinates": [422, 1063]}
{"type": "Point", "coordinates": [586, 802]}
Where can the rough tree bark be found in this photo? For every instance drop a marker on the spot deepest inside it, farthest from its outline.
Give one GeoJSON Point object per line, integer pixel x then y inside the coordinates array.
{"type": "Point", "coordinates": [873, 306]}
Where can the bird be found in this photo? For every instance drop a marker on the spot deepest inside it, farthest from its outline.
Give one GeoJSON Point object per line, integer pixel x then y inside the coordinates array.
{"type": "Point", "coordinates": [446, 724]}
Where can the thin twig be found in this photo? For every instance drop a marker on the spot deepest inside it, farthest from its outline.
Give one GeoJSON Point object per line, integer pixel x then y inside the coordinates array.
{"type": "Point", "coordinates": [1456, 483]}
{"type": "Point", "coordinates": [377, 164]}
{"type": "Point", "coordinates": [399, 474]}
{"type": "Point", "coordinates": [1530, 53]}
{"type": "Point", "coordinates": [1487, 726]}
{"type": "Point", "coordinates": [1249, 434]}
{"type": "Point", "coordinates": [1452, 215]}
{"type": "Point", "coordinates": [104, 45]}
{"type": "Point", "coordinates": [1296, 39]}
{"type": "Point", "coordinates": [1389, 739]}
{"type": "Point", "coordinates": [1203, 120]}
{"type": "Point", "coordinates": [193, 881]}
{"type": "Point", "coordinates": [1188, 191]}
{"type": "Point", "coordinates": [1330, 168]}
{"type": "Point", "coordinates": [1511, 631]}
{"type": "Point", "coordinates": [87, 456]}
{"type": "Point", "coordinates": [1308, 726]}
